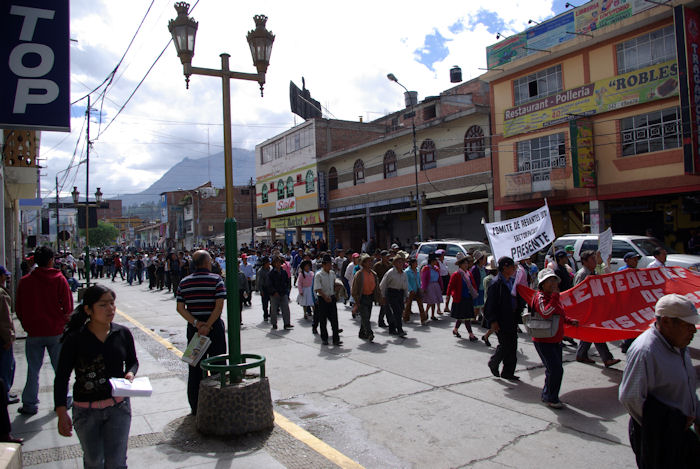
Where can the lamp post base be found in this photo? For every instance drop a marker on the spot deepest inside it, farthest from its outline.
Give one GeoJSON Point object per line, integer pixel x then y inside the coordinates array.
{"type": "Point", "coordinates": [234, 409]}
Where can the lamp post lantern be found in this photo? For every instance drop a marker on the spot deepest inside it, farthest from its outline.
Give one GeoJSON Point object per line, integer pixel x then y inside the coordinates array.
{"type": "Point", "coordinates": [412, 115]}
{"type": "Point", "coordinates": [184, 30]}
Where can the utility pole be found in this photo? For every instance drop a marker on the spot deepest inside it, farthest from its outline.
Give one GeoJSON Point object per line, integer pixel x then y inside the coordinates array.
{"type": "Point", "coordinates": [252, 214]}
{"type": "Point", "coordinates": [87, 199]}
{"type": "Point", "coordinates": [58, 230]}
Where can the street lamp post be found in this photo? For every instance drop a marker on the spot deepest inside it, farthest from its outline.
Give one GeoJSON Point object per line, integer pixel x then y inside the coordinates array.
{"type": "Point", "coordinates": [412, 115]}
{"type": "Point", "coordinates": [184, 30]}
{"type": "Point", "coordinates": [98, 200]}
{"type": "Point", "coordinates": [253, 197]}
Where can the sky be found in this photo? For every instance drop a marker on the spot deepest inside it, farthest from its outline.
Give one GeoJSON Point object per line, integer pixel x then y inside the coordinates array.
{"type": "Point", "coordinates": [343, 50]}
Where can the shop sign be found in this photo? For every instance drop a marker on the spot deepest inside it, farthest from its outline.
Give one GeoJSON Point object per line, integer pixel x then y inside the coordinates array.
{"type": "Point", "coordinates": [641, 86]}
{"type": "Point", "coordinates": [36, 82]}
{"type": "Point", "coordinates": [687, 24]}
{"type": "Point", "coordinates": [569, 25]}
{"type": "Point", "coordinates": [322, 190]}
{"type": "Point", "coordinates": [582, 153]}
{"type": "Point", "coordinates": [288, 205]}
{"type": "Point", "coordinates": [303, 219]}
{"type": "Point", "coordinates": [518, 183]}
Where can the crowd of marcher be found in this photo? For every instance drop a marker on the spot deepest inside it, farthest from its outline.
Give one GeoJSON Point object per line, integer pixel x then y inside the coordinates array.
{"type": "Point", "coordinates": [658, 386]}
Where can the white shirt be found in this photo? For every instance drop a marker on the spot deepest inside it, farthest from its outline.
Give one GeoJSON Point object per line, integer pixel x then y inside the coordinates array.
{"type": "Point", "coordinates": [349, 272]}
{"type": "Point", "coordinates": [443, 268]}
{"type": "Point", "coordinates": [325, 281]}
{"type": "Point", "coordinates": [655, 367]}
{"type": "Point", "coordinates": [395, 279]}
{"type": "Point", "coordinates": [655, 263]}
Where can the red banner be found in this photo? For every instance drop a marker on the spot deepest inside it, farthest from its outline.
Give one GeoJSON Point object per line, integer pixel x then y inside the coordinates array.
{"type": "Point", "coordinates": [620, 305]}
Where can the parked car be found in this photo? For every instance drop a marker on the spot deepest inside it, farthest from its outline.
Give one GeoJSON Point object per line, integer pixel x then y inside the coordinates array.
{"type": "Point", "coordinates": [622, 244]}
{"type": "Point", "coordinates": [451, 247]}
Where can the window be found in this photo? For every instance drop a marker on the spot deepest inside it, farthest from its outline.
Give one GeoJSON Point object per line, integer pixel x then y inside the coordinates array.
{"type": "Point", "coordinates": [655, 131]}
{"type": "Point", "coordinates": [646, 50]}
{"type": "Point", "coordinates": [537, 85]}
{"type": "Point", "coordinates": [272, 151]}
{"type": "Point", "coordinates": [429, 112]}
{"type": "Point", "coordinates": [589, 245]}
{"type": "Point", "coordinates": [309, 181]}
{"type": "Point", "coordinates": [453, 250]}
{"type": "Point", "coordinates": [427, 154]}
{"type": "Point", "coordinates": [474, 146]}
{"type": "Point", "coordinates": [264, 193]}
{"type": "Point", "coordinates": [290, 186]}
{"type": "Point", "coordinates": [280, 189]}
{"type": "Point", "coordinates": [299, 140]}
{"type": "Point", "coordinates": [620, 248]}
{"type": "Point", "coordinates": [539, 155]}
{"type": "Point", "coordinates": [358, 172]}
{"type": "Point", "coordinates": [389, 164]}
{"type": "Point", "coordinates": [332, 179]}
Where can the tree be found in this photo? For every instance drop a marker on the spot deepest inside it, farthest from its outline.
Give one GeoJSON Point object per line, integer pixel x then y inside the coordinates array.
{"type": "Point", "coordinates": [105, 234]}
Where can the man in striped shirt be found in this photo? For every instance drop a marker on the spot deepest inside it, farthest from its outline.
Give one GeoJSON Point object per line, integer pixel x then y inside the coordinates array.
{"type": "Point", "coordinates": [200, 300]}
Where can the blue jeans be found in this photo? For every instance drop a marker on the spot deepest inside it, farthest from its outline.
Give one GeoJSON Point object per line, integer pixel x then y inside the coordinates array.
{"type": "Point", "coordinates": [103, 435]}
{"type": "Point", "coordinates": [7, 367]}
{"type": "Point", "coordinates": [554, 371]}
{"type": "Point", "coordinates": [34, 349]}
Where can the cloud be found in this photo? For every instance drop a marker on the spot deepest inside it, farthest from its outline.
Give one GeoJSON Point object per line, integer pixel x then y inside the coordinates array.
{"type": "Point", "coordinates": [344, 54]}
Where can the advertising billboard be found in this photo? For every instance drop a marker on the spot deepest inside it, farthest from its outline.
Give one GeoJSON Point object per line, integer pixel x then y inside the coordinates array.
{"type": "Point", "coordinates": [36, 77]}
{"type": "Point", "coordinates": [640, 86]}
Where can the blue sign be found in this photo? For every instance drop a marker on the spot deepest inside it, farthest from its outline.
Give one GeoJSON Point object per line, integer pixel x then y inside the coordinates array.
{"type": "Point", "coordinates": [36, 81]}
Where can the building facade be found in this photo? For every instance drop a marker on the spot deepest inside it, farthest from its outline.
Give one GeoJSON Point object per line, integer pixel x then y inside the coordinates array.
{"type": "Point", "coordinates": [372, 184]}
{"type": "Point", "coordinates": [588, 114]}
{"type": "Point", "coordinates": [290, 195]}
{"type": "Point", "coordinates": [195, 217]}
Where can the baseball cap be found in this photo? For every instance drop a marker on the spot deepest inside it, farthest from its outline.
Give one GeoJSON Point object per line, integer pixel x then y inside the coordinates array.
{"type": "Point", "coordinates": [243, 256]}
{"type": "Point", "coordinates": [674, 305]}
{"type": "Point", "coordinates": [569, 248]}
{"type": "Point", "coordinates": [630, 255]}
{"type": "Point", "coordinates": [544, 274]}
{"type": "Point", "coordinates": [559, 254]}
{"type": "Point", "coordinates": [355, 255]}
{"type": "Point", "coordinates": [440, 252]}
{"type": "Point", "coordinates": [4, 271]}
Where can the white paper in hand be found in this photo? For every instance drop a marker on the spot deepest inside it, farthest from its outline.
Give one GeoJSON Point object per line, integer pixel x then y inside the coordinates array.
{"type": "Point", "coordinates": [122, 387]}
{"type": "Point", "coordinates": [605, 241]}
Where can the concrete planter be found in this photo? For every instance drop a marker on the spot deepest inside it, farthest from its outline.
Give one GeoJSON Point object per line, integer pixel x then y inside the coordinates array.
{"type": "Point", "coordinates": [234, 409]}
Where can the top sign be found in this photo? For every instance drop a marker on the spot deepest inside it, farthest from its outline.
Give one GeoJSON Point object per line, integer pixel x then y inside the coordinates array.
{"type": "Point", "coordinates": [36, 83]}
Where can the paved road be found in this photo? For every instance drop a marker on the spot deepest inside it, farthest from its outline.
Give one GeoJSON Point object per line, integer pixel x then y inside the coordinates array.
{"type": "Point", "coordinates": [425, 401]}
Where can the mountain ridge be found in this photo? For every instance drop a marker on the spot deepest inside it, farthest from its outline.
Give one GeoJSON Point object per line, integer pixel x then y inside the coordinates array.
{"type": "Point", "coordinates": [190, 173]}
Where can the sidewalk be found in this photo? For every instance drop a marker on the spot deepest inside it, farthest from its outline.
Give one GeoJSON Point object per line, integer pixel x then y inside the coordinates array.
{"type": "Point", "coordinates": [162, 434]}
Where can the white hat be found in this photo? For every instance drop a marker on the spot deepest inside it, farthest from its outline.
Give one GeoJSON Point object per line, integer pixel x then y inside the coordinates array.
{"type": "Point", "coordinates": [677, 306]}
{"type": "Point", "coordinates": [545, 274]}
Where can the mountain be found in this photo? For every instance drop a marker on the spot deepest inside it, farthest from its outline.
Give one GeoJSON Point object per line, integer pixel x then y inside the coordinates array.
{"type": "Point", "coordinates": [190, 173]}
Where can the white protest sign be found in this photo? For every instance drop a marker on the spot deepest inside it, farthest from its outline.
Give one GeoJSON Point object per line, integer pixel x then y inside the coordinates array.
{"type": "Point", "coordinates": [521, 237]}
{"type": "Point", "coordinates": [605, 244]}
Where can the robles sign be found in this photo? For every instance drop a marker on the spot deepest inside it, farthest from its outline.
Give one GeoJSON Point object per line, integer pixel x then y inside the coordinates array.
{"type": "Point", "coordinates": [641, 86]}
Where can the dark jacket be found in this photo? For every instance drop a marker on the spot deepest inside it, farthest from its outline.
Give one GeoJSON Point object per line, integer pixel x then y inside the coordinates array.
{"type": "Point", "coordinates": [566, 281]}
{"type": "Point", "coordinates": [499, 306]}
{"type": "Point", "coordinates": [662, 440]}
{"type": "Point", "coordinates": [278, 282]}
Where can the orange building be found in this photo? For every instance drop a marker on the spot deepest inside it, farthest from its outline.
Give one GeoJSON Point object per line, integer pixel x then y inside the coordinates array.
{"type": "Point", "coordinates": [591, 111]}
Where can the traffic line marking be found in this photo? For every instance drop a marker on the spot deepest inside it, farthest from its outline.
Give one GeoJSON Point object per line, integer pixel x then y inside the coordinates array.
{"type": "Point", "coordinates": [316, 444]}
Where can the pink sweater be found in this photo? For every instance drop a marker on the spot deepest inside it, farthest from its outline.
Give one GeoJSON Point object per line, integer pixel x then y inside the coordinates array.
{"type": "Point", "coordinates": [304, 280]}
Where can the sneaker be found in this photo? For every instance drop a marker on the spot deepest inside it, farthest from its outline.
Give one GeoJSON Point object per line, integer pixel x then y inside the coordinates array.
{"type": "Point", "coordinates": [24, 411]}
{"type": "Point", "coordinates": [555, 405]}
{"type": "Point", "coordinates": [402, 334]}
{"type": "Point", "coordinates": [289, 326]}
